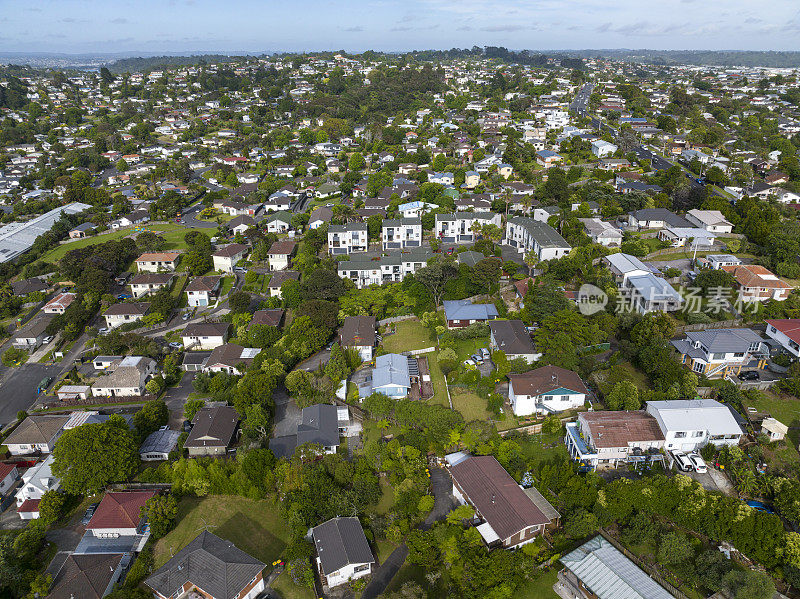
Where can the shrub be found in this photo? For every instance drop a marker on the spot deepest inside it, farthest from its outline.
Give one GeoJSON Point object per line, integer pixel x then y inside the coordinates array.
{"type": "Point", "coordinates": [14, 357]}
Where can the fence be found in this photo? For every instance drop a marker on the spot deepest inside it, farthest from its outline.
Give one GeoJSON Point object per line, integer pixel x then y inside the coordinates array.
{"type": "Point", "coordinates": [644, 566]}
{"type": "Point", "coordinates": [702, 326]}
{"type": "Point", "coordinates": [419, 352]}
{"type": "Point", "coordinates": [394, 319]}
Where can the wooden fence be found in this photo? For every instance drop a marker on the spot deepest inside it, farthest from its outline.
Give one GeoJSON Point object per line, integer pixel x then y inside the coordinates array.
{"type": "Point", "coordinates": [702, 326]}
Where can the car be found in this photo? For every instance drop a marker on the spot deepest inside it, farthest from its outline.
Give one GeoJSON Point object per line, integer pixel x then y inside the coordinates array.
{"type": "Point", "coordinates": [176, 345]}
{"type": "Point", "coordinates": [469, 362]}
{"type": "Point", "coordinates": [186, 316]}
{"type": "Point", "coordinates": [239, 269]}
{"type": "Point", "coordinates": [485, 353]}
{"type": "Point", "coordinates": [682, 461]}
{"type": "Point", "coordinates": [749, 375]}
{"type": "Point", "coordinates": [698, 462]}
{"type": "Point", "coordinates": [187, 426]}
{"type": "Point", "coordinates": [47, 340]}
{"type": "Point", "coordinates": [476, 358]}
{"type": "Point", "coordinates": [87, 515]}
{"type": "Point", "coordinates": [123, 296]}
{"type": "Point", "coordinates": [450, 251]}
{"type": "Point", "coordinates": [102, 330]}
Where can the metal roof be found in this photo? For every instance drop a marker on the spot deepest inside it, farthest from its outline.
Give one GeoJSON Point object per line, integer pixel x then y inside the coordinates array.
{"type": "Point", "coordinates": [341, 542]}
{"type": "Point", "coordinates": [391, 370]}
{"type": "Point", "coordinates": [608, 574]}
{"type": "Point", "coordinates": [694, 414]}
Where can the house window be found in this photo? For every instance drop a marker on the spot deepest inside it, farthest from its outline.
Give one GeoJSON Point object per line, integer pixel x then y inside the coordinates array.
{"type": "Point", "coordinates": [739, 354]}
{"type": "Point", "coordinates": [718, 356]}
{"type": "Point", "coordinates": [361, 568]}
{"type": "Point", "coordinates": [548, 397]}
{"type": "Point", "coordinates": [680, 435]}
{"type": "Point", "coordinates": [698, 434]}
{"type": "Point", "coordinates": [565, 398]}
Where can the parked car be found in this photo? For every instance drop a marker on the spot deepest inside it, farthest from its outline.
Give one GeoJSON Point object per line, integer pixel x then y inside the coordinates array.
{"type": "Point", "coordinates": [749, 375]}
{"type": "Point", "coordinates": [123, 296]}
{"type": "Point", "coordinates": [176, 345]}
{"type": "Point", "coordinates": [698, 462]}
{"type": "Point", "coordinates": [485, 353]}
{"type": "Point", "coordinates": [476, 358]}
{"type": "Point", "coordinates": [470, 362]}
{"type": "Point", "coordinates": [87, 515]}
{"type": "Point", "coordinates": [682, 460]}
{"type": "Point", "coordinates": [102, 330]}
{"type": "Point", "coordinates": [47, 340]}
{"type": "Point", "coordinates": [187, 426]}
{"type": "Point", "coordinates": [239, 269]}
{"type": "Point", "coordinates": [186, 316]}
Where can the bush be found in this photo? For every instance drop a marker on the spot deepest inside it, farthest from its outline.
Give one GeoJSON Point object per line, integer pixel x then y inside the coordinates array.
{"type": "Point", "coordinates": [14, 357]}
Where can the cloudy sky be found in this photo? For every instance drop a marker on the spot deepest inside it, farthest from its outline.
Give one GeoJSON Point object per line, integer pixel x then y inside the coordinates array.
{"type": "Point", "coordinates": [269, 25]}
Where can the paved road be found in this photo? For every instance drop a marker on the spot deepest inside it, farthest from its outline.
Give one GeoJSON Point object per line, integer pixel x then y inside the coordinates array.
{"type": "Point", "coordinates": [314, 361]}
{"type": "Point", "coordinates": [444, 503]}
{"type": "Point", "coordinates": [175, 398]}
{"type": "Point", "coordinates": [581, 102]}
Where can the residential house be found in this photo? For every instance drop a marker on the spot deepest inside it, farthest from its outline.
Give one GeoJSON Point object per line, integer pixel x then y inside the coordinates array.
{"type": "Point", "coordinates": [598, 570]}
{"type": "Point", "coordinates": [463, 227]}
{"type": "Point", "coordinates": [712, 221]}
{"type": "Point", "coordinates": [278, 222]}
{"type": "Point", "coordinates": [387, 269]}
{"type": "Point", "coordinates": [358, 332]}
{"type": "Point", "coordinates": [722, 352]}
{"type": "Point", "coordinates": [693, 237]}
{"type": "Point", "coordinates": [59, 304]}
{"type": "Point", "coordinates": [226, 258]}
{"type": "Point", "coordinates": [127, 380]}
{"type": "Point", "coordinates": [401, 233]}
{"type": "Point", "coordinates": [38, 433]}
{"type": "Point", "coordinates": [786, 331]}
{"type": "Point", "coordinates": [656, 218]}
{"type": "Point", "coordinates": [343, 553]}
{"type": "Point", "coordinates": [529, 235]}
{"type": "Point", "coordinates": [280, 254]}
{"type": "Point", "coordinates": [27, 286]}
{"type": "Point", "coordinates": [200, 336]}
{"type": "Point", "coordinates": [508, 517]}
{"type": "Point", "coordinates": [158, 445]}
{"type": "Point", "coordinates": [548, 158]}
{"type": "Point", "coordinates": [36, 481]}
{"type": "Point", "coordinates": [602, 232]}
{"type": "Point", "coordinates": [606, 439]}
{"type": "Point", "coordinates": [348, 238]}
{"type": "Point", "coordinates": [758, 284]}
{"type": "Point", "coordinates": [278, 279]}
{"type": "Point", "coordinates": [212, 432]}
{"type": "Point", "coordinates": [601, 148]}
{"type": "Point", "coordinates": [546, 390]}
{"type": "Point", "coordinates": [513, 339]}
{"type": "Point", "coordinates": [319, 425]}
{"type": "Point", "coordinates": [623, 266]}
{"type": "Point", "coordinates": [209, 567]}
{"type": "Point", "coordinates": [272, 317]}
{"type": "Point", "coordinates": [9, 475]}
{"type": "Point", "coordinates": [82, 230]}
{"type": "Point", "coordinates": [230, 358]}
{"type": "Point", "coordinates": [242, 223]}
{"type": "Point", "coordinates": [462, 313]}
{"type": "Point", "coordinates": [33, 334]}
{"type": "Point", "coordinates": [203, 291]}
{"type": "Point", "coordinates": [319, 217]}
{"type": "Point", "coordinates": [88, 576]}
{"type": "Point", "coordinates": [119, 314]}
{"type": "Point", "coordinates": [718, 261]}
{"type": "Point", "coordinates": [392, 375]}
{"type": "Point", "coordinates": [149, 282]}
{"type": "Point", "coordinates": [415, 209]}
{"type": "Point", "coordinates": [119, 515]}
{"type": "Point", "coordinates": [689, 424]}
{"type": "Point", "coordinates": [157, 261]}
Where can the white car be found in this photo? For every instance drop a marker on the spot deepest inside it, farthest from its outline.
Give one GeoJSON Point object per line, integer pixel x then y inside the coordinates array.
{"type": "Point", "coordinates": [102, 330]}
{"type": "Point", "coordinates": [485, 353]}
{"type": "Point", "coordinates": [698, 462]}
{"type": "Point", "coordinates": [47, 340]}
{"type": "Point", "coordinates": [682, 461]}
{"type": "Point", "coordinates": [470, 362]}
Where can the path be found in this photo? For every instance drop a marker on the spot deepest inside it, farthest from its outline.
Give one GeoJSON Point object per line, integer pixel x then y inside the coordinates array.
{"type": "Point", "coordinates": [444, 503]}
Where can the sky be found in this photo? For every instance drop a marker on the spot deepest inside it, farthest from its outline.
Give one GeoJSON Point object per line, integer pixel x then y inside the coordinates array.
{"type": "Point", "coordinates": [153, 26]}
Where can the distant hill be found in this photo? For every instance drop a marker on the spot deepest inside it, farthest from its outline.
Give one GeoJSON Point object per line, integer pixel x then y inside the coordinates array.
{"type": "Point", "coordinates": [129, 65]}
{"type": "Point", "coordinates": [719, 58]}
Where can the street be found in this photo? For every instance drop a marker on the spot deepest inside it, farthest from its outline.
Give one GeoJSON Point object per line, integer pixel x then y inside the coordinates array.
{"type": "Point", "coordinates": [581, 102]}
{"type": "Point", "coordinates": [19, 388]}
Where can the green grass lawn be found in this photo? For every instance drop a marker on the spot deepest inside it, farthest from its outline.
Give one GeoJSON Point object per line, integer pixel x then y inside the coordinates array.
{"type": "Point", "coordinates": [473, 407]}
{"type": "Point", "coordinates": [783, 407]}
{"type": "Point", "coordinates": [172, 234]}
{"type": "Point", "coordinates": [541, 588]}
{"type": "Point", "coordinates": [227, 285]}
{"type": "Point", "coordinates": [254, 526]}
{"type": "Point", "coordinates": [386, 501]}
{"type": "Point", "coordinates": [287, 589]}
{"type": "Point", "coordinates": [385, 549]}
{"type": "Point", "coordinates": [466, 347]}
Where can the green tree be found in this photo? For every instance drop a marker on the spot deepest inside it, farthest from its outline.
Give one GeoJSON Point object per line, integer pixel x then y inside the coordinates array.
{"type": "Point", "coordinates": [623, 396]}
{"type": "Point", "coordinates": [160, 511]}
{"type": "Point", "coordinates": [191, 407]}
{"type": "Point", "coordinates": [153, 415]}
{"type": "Point", "coordinates": [674, 548]}
{"type": "Point", "coordinates": [239, 302]}
{"type": "Point", "coordinates": [51, 506]}
{"type": "Point", "coordinates": [435, 276]}
{"type": "Point", "coordinates": [89, 457]}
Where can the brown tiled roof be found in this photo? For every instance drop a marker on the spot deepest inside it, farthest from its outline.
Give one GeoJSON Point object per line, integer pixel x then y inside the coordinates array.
{"type": "Point", "coordinates": [120, 510]}
{"type": "Point", "coordinates": [282, 247]}
{"type": "Point", "coordinates": [358, 331]}
{"type": "Point", "coordinates": [229, 354]}
{"type": "Point", "coordinates": [231, 250]}
{"type": "Point", "coordinates": [511, 337]}
{"type": "Point", "coordinates": [213, 427]}
{"type": "Point", "coordinates": [281, 276]}
{"type": "Point", "coordinates": [151, 278]}
{"type": "Point", "coordinates": [36, 429]}
{"type": "Point", "coordinates": [268, 317]}
{"type": "Point", "coordinates": [546, 379]}
{"type": "Point", "coordinates": [85, 576]}
{"type": "Point", "coordinates": [497, 496]}
{"type": "Point", "coordinates": [753, 275]}
{"type": "Point", "coordinates": [617, 429]}
{"type": "Point", "coordinates": [203, 283]}
{"type": "Point", "coordinates": [206, 329]}
{"type": "Point", "coordinates": [62, 300]}
{"type": "Point", "coordinates": [158, 257]}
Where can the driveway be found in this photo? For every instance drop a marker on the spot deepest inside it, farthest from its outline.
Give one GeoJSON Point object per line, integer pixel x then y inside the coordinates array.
{"type": "Point", "coordinates": [713, 480]}
{"type": "Point", "coordinates": [314, 361]}
{"type": "Point", "coordinates": [287, 414]}
{"type": "Point", "coordinates": [175, 398]}
{"type": "Point", "coordinates": [510, 254]}
{"type": "Point", "coordinates": [65, 539]}
{"type": "Point", "coordinates": [444, 503]}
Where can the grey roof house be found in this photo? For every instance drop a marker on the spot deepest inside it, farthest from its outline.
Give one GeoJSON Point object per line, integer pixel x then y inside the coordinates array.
{"type": "Point", "coordinates": [462, 313]}
{"type": "Point", "coordinates": [343, 553]}
{"type": "Point", "coordinates": [319, 424]}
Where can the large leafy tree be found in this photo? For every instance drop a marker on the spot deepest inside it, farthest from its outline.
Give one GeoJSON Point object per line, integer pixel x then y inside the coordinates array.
{"type": "Point", "coordinates": [90, 456]}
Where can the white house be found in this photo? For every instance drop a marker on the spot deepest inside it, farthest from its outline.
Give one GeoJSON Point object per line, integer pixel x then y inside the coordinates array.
{"type": "Point", "coordinates": [712, 221]}
{"type": "Point", "coordinates": [461, 227]}
{"type": "Point", "coordinates": [119, 314]}
{"type": "Point", "coordinates": [722, 352]}
{"type": "Point", "coordinates": [127, 380]}
{"type": "Point", "coordinates": [157, 261]}
{"type": "Point", "coordinates": [201, 336]}
{"type": "Point", "coordinates": [401, 233]}
{"type": "Point", "coordinates": [38, 433]}
{"type": "Point", "coordinates": [546, 390]}
{"type": "Point", "coordinates": [786, 331]}
{"type": "Point", "coordinates": [529, 235]}
{"type": "Point", "coordinates": [689, 424]}
{"type": "Point", "coordinates": [203, 291]}
{"type": "Point", "coordinates": [602, 232]}
{"type": "Point", "coordinates": [602, 148]}
{"type": "Point", "coordinates": [36, 481]}
{"type": "Point", "coordinates": [343, 553]}
{"type": "Point", "coordinates": [226, 258]}
{"type": "Point", "coordinates": [144, 283]}
{"type": "Point", "coordinates": [346, 239]}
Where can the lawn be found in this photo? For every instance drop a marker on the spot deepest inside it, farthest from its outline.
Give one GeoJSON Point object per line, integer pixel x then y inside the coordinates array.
{"type": "Point", "coordinates": [172, 233]}
{"type": "Point", "coordinates": [227, 284]}
{"type": "Point", "coordinates": [386, 501]}
{"type": "Point", "coordinates": [466, 347]}
{"type": "Point", "coordinates": [254, 526]}
{"type": "Point", "coordinates": [541, 588]}
{"type": "Point", "coordinates": [287, 589]}
{"type": "Point", "coordinates": [783, 407]}
{"type": "Point", "coordinates": [473, 407]}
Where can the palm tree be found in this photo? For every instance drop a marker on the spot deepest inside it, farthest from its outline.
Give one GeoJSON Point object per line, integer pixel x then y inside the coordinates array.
{"type": "Point", "coordinates": [531, 259]}
{"type": "Point", "coordinates": [745, 480]}
{"type": "Point", "coordinates": [454, 438]}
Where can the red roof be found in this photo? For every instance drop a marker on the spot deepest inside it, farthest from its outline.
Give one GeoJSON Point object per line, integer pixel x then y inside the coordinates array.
{"type": "Point", "coordinates": [788, 326]}
{"type": "Point", "coordinates": [5, 470]}
{"type": "Point", "coordinates": [120, 510]}
{"type": "Point", "coordinates": [29, 505]}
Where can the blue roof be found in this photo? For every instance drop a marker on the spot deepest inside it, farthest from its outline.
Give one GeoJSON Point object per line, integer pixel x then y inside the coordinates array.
{"type": "Point", "coordinates": [391, 370]}
{"type": "Point", "coordinates": [466, 310]}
